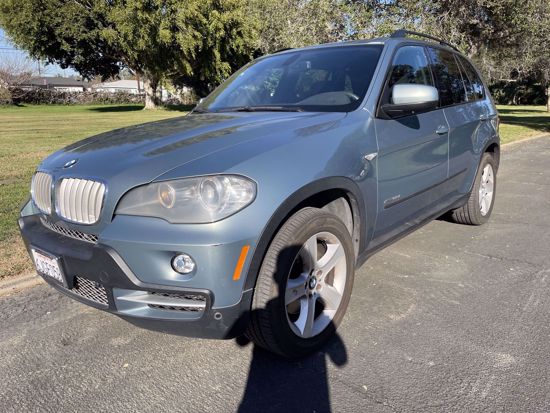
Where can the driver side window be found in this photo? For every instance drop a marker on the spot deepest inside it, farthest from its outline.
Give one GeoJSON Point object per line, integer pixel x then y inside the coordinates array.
{"type": "Point", "coordinates": [410, 66]}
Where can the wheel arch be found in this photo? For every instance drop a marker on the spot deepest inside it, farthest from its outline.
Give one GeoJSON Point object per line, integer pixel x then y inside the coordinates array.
{"type": "Point", "coordinates": [493, 147]}
{"type": "Point", "coordinates": [315, 194]}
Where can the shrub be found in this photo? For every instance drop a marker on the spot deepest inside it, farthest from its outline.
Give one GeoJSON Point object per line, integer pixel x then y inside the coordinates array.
{"type": "Point", "coordinates": [514, 92]}
{"type": "Point", "coordinates": [51, 96]}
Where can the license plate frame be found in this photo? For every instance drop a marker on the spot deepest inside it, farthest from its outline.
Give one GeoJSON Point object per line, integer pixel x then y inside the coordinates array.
{"type": "Point", "coordinates": [48, 266]}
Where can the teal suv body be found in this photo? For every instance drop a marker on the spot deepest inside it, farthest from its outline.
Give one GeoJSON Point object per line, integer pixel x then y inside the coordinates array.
{"type": "Point", "coordinates": [250, 214]}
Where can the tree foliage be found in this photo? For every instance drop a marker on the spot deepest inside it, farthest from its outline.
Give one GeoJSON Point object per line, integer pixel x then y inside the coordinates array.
{"type": "Point", "coordinates": [506, 38]}
{"type": "Point", "coordinates": [296, 23]}
{"type": "Point", "coordinates": [196, 42]}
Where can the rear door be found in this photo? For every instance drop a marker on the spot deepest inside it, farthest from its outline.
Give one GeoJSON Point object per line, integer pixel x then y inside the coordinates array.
{"type": "Point", "coordinates": [482, 114]}
{"type": "Point", "coordinates": [463, 112]}
{"type": "Point", "coordinates": [412, 151]}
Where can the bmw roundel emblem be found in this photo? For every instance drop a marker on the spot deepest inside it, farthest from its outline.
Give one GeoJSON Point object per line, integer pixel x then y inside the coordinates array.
{"type": "Point", "coordinates": [70, 163]}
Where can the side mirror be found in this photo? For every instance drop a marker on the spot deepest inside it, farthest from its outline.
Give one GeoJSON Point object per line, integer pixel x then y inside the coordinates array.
{"type": "Point", "coordinates": [408, 99]}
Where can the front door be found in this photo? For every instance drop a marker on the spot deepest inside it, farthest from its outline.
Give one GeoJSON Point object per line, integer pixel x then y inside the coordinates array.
{"type": "Point", "coordinates": [412, 153]}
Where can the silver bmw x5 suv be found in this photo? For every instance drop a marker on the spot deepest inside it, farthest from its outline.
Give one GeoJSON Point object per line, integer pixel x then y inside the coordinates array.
{"type": "Point", "coordinates": [250, 214]}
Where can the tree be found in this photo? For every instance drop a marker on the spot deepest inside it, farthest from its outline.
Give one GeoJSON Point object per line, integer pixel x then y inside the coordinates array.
{"type": "Point", "coordinates": [15, 70]}
{"type": "Point", "coordinates": [196, 42]}
{"type": "Point", "coordinates": [531, 59]}
{"type": "Point", "coordinates": [502, 36]}
{"type": "Point", "coordinates": [295, 23]}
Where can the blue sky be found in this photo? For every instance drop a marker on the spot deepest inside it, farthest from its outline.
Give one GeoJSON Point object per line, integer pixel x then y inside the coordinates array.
{"type": "Point", "coordinates": [8, 49]}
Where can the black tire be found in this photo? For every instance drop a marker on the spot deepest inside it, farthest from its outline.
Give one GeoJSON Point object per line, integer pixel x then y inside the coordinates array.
{"type": "Point", "coordinates": [470, 213]}
{"type": "Point", "coordinates": [269, 326]}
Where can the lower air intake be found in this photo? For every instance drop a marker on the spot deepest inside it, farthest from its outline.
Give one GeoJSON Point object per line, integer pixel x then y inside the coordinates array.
{"type": "Point", "coordinates": [90, 290]}
{"type": "Point", "coordinates": [82, 236]}
{"type": "Point", "coordinates": [195, 302]}
{"type": "Point", "coordinates": [183, 301]}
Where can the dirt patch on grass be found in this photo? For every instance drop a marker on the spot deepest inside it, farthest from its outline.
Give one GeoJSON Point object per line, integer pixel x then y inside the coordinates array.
{"type": "Point", "coordinates": [14, 259]}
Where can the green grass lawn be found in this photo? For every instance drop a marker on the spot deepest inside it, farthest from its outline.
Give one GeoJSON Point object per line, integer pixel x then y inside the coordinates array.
{"type": "Point", "coordinates": [30, 133]}
{"type": "Point", "coordinates": [520, 122]}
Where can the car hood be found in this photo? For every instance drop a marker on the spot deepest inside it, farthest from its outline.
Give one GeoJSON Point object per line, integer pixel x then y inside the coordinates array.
{"type": "Point", "coordinates": [132, 156]}
{"type": "Point", "coordinates": [151, 149]}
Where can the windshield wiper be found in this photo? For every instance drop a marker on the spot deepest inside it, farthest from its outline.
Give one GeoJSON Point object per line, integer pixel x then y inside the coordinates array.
{"type": "Point", "coordinates": [199, 110]}
{"type": "Point", "coordinates": [262, 109]}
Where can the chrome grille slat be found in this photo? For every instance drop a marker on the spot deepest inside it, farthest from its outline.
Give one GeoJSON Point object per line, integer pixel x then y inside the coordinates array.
{"type": "Point", "coordinates": [85, 190]}
{"type": "Point", "coordinates": [99, 198]}
{"type": "Point", "coordinates": [41, 189]}
{"type": "Point", "coordinates": [72, 201]}
{"type": "Point", "coordinates": [71, 233]}
{"type": "Point", "coordinates": [80, 200]}
{"type": "Point", "coordinates": [79, 204]}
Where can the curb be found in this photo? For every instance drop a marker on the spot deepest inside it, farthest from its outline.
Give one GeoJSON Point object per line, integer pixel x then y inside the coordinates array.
{"type": "Point", "coordinates": [19, 283]}
{"type": "Point", "coordinates": [530, 138]}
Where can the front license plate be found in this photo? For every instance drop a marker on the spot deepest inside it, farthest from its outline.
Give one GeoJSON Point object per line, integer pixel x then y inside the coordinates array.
{"type": "Point", "coordinates": [48, 265]}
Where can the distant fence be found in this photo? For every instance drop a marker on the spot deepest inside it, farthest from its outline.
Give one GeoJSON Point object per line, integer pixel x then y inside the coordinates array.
{"type": "Point", "coordinates": [40, 96]}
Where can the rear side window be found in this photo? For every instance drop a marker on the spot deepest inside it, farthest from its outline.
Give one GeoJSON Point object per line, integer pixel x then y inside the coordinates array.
{"type": "Point", "coordinates": [410, 65]}
{"type": "Point", "coordinates": [448, 77]}
{"type": "Point", "coordinates": [474, 85]}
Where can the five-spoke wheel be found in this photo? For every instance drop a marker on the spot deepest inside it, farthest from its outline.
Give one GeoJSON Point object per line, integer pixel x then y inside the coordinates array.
{"type": "Point", "coordinates": [477, 209]}
{"type": "Point", "coordinates": [486, 188]}
{"type": "Point", "coordinates": [315, 284]}
{"type": "Point", "coordinates": [304, 284]}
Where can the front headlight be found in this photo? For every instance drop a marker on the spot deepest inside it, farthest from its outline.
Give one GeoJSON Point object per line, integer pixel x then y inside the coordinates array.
{"type": "Point", "coordinates": [190, 200]}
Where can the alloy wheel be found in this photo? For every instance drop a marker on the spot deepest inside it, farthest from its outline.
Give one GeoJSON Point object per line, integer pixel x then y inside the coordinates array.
{"type": "Point", "coordinates": [315, 285]}
{"type": "Point", "coordinates": [486, 189]}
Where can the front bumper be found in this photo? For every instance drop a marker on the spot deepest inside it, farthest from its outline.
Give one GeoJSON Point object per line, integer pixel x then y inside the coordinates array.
{"type": "Point", "coordinates": [98, 276]}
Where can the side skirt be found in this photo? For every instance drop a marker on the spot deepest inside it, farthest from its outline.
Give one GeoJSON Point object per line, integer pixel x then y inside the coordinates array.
{"type": "Point", "coordinates": [370, 252]}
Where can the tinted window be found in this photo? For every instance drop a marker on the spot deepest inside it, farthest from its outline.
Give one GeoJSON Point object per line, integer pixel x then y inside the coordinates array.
{"type": "Point", "coordinates": [474, 85]}
{"type": "Point", "coordinates": [410, 65]}
{"type": "Point", "coordinates": [448, 77]}
{"type": "Point", "coordinates": [324, 79]}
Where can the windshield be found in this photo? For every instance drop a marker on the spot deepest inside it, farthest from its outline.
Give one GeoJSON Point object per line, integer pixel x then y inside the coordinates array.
{"type": "Point", "coordinates": [330, 79]}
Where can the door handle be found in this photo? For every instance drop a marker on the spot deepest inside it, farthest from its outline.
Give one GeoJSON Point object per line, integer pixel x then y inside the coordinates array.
{"type": "Point", "coordinates": [442, 130]}
{"type": "Point", "coordinates": [483, 117]}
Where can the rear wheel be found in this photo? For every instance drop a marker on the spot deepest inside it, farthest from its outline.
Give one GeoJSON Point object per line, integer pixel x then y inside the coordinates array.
{"type": "Point", "coordinates": [478, 208]}
{"type": "Point", "coordinates": [304, 284]}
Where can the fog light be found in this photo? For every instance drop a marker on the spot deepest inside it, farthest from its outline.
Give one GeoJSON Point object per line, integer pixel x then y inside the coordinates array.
{"type": "Point", "coordinates": [183, 264]}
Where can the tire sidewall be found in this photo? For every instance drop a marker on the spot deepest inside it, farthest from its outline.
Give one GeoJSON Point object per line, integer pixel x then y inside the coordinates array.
{"type": "Point", "coordinates": [285, 247]}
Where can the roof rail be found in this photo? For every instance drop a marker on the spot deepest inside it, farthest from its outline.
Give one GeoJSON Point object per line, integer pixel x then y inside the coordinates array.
{"type": "Point", "coordinates": [404, 33]}
{"type": "Point", "coordinates": [283, 49]}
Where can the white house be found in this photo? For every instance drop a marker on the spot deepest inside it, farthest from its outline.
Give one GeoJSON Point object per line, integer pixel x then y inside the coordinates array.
{"type": "Point", "coordinates": [64, 84]}
{"type": "Point", "coordinates": [128, 86]}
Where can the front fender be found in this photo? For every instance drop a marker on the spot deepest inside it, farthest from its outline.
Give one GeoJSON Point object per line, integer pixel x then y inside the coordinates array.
{"type": "Point", "coordinates": [296, 201]}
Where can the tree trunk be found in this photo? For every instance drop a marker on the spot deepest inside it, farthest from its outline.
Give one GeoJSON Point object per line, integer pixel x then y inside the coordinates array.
{"type": "Point", "coordinates": [548, 98]}
{"type": "Point", "coordinates": [151, 97]}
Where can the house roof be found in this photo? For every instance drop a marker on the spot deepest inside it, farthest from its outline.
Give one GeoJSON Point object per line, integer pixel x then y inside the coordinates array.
{"type": "Point", "coordinates": [45, 81]}
{"type": "Point", "coordinates": [119, 84]}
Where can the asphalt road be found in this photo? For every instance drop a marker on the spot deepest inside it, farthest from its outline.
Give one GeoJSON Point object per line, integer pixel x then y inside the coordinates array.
{"type": "Point", "coordinates": [451, 318]}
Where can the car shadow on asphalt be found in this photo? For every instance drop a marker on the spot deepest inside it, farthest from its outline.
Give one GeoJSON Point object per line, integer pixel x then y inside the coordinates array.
{"type": "Point", "coordinates": [284, 385]}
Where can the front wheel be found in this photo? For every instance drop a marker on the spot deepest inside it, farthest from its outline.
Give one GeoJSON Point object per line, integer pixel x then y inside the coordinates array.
{"type": "Point", "coordinates": [304, 284]}
{"type": "Point", "coordinates": [478, 208]}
